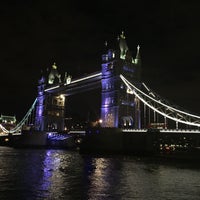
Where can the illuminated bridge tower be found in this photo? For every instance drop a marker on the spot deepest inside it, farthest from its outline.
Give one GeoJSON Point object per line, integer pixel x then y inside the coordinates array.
{"type": "Point", "coordinates": [50, 106]}
{"type": "Point", "coordinates": [119, 107]}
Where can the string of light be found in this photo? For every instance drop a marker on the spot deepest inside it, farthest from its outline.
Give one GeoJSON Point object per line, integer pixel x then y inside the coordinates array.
{"type": "Point", "coordinates": [22, 122]}
{"type": "Point", "coordinates": [138, 93]}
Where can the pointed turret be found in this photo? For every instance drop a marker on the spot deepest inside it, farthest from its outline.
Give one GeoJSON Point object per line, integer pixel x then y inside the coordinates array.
{"type": "Point", "coordinates": [54, 75]}
{"type": "Point", "coordinates": [137, 62]}
{"type": "Point", "coordinates": [137, 59]}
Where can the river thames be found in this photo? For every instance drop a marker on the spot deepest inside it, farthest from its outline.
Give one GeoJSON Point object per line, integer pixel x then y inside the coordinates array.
{"type": "Point", "coordinates": [33, 174]}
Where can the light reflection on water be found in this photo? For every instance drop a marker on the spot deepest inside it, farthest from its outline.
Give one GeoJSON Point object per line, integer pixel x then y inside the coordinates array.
{"type": "Point", "coordinates": [60, 174]}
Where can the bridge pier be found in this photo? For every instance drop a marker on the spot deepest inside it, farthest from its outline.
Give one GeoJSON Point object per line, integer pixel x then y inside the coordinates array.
{"type": "Point", "coordinates": [50, 108]}
{"type": "Point", "coordinates": [120, 108]}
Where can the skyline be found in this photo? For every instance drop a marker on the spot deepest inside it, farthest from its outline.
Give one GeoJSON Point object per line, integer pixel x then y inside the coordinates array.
{"type": "Point", "coordinates": [36, 34]}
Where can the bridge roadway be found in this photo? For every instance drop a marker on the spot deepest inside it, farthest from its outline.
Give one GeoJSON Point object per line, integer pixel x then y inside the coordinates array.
{"type": "Point", "coordinates": [120, 140]}
{"type": "Point", "coordinates": [180, 131]}
{"type": "Point", "coordinates": [164, 130]}
{"type": "Point", "coordinates": [82, 84]}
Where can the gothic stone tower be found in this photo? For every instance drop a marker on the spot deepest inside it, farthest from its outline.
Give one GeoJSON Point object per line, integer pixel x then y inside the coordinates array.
{"type": "Point", "coordinates": [50, 106]}
{"type": "Point", "coordinates": [119, 107]}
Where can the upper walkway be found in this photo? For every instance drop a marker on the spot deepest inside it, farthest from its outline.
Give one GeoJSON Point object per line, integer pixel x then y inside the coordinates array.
{"type": "Point", "coordinates": [82, 84]}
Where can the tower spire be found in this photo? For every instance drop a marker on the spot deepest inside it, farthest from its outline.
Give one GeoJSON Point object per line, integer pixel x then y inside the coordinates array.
{"type": "Point", "coordinates": [137, 57]}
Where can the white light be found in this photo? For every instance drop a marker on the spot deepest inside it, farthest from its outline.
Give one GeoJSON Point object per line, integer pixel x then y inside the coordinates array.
{"type": "Point", "coordinates": [51, 88]}
{"type": "Point", "coordinates": [158, 101]}
{"type": "Point", "coordinates": [155, 109]}
{"type": "Point", "coordinates": [85, 78]}
{"type": "Point", "coordinates": [128, 91]}
{"type": "Point", "coordinates": [62, 96]}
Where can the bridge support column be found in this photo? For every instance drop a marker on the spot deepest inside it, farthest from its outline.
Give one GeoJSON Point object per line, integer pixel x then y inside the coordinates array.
{"type": "Point", "coordinates": [50, 108]}
{"type": "Point", "coordinates": [119, 107]}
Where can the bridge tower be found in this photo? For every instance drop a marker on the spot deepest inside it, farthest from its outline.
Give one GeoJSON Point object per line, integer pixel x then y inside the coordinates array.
{"type": "Point", "coordinates": [50, 106]}
{"type": "Point", "coordinates": [119, 107]}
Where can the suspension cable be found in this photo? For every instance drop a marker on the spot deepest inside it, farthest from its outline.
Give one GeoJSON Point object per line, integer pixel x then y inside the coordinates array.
{"type": "Point", "coordinates": [137, 93]}
{"type": "Point", "coordinates": [22, 122]}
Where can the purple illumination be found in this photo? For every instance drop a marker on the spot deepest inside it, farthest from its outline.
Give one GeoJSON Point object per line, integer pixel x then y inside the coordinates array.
{"type": "Point", "coordinates": [128, 69]}
{"type": "Point", "coordinates": [117, 104]}
{"type": "Point", "coordinates": [109, 111]}
{"type": "Point", "coordinates": [39, 122]}
{"type": "Point", "coordinates": [49, 134]}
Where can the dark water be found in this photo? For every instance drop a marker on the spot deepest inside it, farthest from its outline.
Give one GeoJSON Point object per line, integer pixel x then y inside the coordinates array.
{"type": "Point", "coordinates": [60, 174]}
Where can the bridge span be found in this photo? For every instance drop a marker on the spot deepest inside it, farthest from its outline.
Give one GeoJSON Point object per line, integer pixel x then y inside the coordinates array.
{"type": "Point", "coordinates": [75, 86]}
{"type": "Point", "coordinates": [127, 104]}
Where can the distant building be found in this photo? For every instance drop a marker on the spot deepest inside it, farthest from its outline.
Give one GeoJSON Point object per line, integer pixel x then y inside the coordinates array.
{"type": "Point", "coordinates": [8, 122]}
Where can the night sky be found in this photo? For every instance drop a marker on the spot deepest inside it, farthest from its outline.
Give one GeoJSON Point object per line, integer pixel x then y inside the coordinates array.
{"type": "Point", "coordinates": [36, 33]}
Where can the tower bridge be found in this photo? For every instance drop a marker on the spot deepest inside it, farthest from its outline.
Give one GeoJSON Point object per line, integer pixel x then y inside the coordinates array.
{"type": "Point", "coordinates": [126, 102]}
{"type": "Point", "coordinates": [118, 107]}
